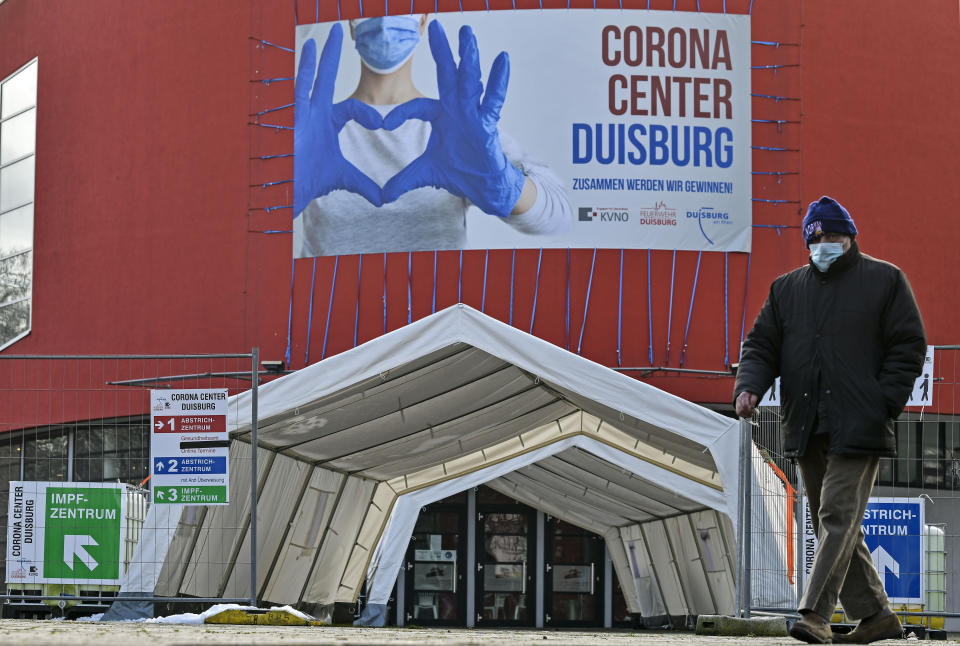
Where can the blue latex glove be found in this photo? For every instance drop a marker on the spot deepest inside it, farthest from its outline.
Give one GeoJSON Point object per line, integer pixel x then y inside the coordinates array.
{"type": "Point", "coordinates": [463, 154]}
{"type": "Point", "coordinates": [318, 165]}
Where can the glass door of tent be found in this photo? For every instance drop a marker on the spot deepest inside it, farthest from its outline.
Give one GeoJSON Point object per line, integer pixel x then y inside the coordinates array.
{"type": "Point", "coordinates": [505, 555]}
{"type": "Point", "coordinates": [573, 594]}
{"type": "Point", "coordinates": [435, 567]}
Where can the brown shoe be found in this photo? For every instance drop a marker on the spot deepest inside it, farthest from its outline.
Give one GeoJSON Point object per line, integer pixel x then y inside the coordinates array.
{"type": "Point", "coordinates": [812, 628]}
{"type": "Point", "coordinates": [887, 627]}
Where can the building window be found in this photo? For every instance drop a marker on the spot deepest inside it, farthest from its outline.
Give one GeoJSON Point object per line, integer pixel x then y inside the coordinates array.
{"type": "Point", "coordinates": [18, 128]}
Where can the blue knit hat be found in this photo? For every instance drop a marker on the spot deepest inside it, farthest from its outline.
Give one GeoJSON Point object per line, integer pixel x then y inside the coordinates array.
{"type": "Point", "coordinates": [826, 215]}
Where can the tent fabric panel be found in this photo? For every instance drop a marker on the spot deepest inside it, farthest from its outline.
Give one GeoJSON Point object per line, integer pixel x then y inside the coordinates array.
{"type": "Point", "coordinates": [275, 506]}
{"type": "Point", "coordinates": [373, 523]}
{"type": "Point", "coordinates": [575, 490]}
{"type": "Point", "coordinates": [401, 420]}
{"type": "Point", "coordinates": [621, 568]}
{"type": "Point", "coordinates": [645, 584]}
{"type": "Point", "coordinates": [640, 498]}
{"type": "Point", "coordinates": [647, 496]}
{"type": "Point", "coordinates": [337, 384]}
{"type": "Point", "coordinates": [338, 542]}
{"type": "Point", "coordinates": [437, 442]}
{"type": "Point", "coordinates": [224, 526]}
{"type": "Point", "coordinates": [178, 554]}
{"type": "Point", "coordinates": [540, 496]}
{"type": "Point", "coordinates": [689, 565]}
{"type": "Point", "coordinates": [296, 555]}
{"type": "Point", "coordinates": [665, 566]}
{"type": "Point", "coordinates": [718, 562]}
{"type": "Point", "coordinates": [159, 528]}
{"type": "Point", "coordinates": [650, 453]}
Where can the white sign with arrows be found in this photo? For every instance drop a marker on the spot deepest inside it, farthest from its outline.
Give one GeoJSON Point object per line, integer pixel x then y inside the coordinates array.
{"type": "Point", "coordinates": [189, 447]}
{"type": "Point", "coordinates": [66, 532]}
{"type": "Point", "coordinates": [893, 531]}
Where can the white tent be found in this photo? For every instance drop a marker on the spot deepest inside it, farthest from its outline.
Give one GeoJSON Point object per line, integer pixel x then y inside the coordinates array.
{"type": "Point", "coordinates": [352, 447]}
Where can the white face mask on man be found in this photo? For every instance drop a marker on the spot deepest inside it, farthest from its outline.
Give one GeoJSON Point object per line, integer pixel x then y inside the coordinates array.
{"type": "Point", "coordinates": [823, 254]}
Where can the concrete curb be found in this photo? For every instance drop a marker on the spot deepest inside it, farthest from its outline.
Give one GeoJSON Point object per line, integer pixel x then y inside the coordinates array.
{"type": "Point", "coordinates": [741, 627]}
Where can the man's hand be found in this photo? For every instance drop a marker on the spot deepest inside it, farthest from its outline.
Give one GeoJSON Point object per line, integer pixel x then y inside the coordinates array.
{"type": "Point", "coordinates": [747, 404]}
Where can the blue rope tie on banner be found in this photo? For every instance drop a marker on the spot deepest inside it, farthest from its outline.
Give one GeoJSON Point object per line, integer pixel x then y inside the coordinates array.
{"type": "Point", "coordinates": [460, 279]}
{"type": "Point", "coordinates": [333, 286]}
{"type": "Point", "coordinates": [461, 5]}
{"type": "Point", "coordinates": [778, 173]}
{"type": "Point", "coordinates": [273, 231]}
{"type": "Point", "coordinates": [743, 318]}
{"type": "Point", "coordinates": [483, 297]}
{"type": "Point", "coordinates": [673, 267]}
{"type": "Point", "coordinates": [513, 267]}
{"type": "Point", "coordinates": [648, 4]}
{"type": "Point", "coordinates": [776, 99]}
{"type": "Point", "coordinates": [586, 304]}
{"type": "Point", "coordinates": [316, 12]}
{"type": "Point", "coordinates": [356, 312]}
{"type": "Point", "coordinates": [409, 287]}
{"type": "Point", "coordinates": [286, 355]}
{"type": "Point", "coordinates": [536, 290]}
{"type": "Point", "coordinates": [282, 107]}
{"type": "Point", "coordinates": [386, 8]}
{"type": "Point", "coordinates": [384, 292]}
{"type": "Point", "coordinates": [698, 6]}
{"type": "Point", "coordinates": [273, 80]}
{"type": "Point", "coordinates": [313, 284]}
{"type": "Point", "coordinates": [726, 312]}
{"type": "Point", "coordinates": [339, 16]}
{"type": "Point", "coordinates": [693, 295]}
{"type": "Point", "coordinates": [282, 181]}
{"type": "Point", "coordinates": [776, 150]}
{"type": "Point", "coordinates": [620, 311]}
{"type": "Point", "coordinates": [768, 43]}
{"type": "Point", "coordinates": [271, 125]}
{"type": "Point", "coordinates": [433, 302]}
{"type": "Point", "coordinates": [566, 323]}
{"type": "Point", "coordinates": [296, 19]}
{"type": "Point", "coordinates": [273, 156]}
{"type": "Point", "coordinates": [674, 5]}
{"type": "Point", "coordinates": [270, 209]}
{"type": "Point", "coordinates": [361, 7]}
{"type": "Point", "coordinates": [650, 308]}
{"type": "Point", "coordinates": [267, 42]}
{"type": "Point", "coordinates": [724, 6]}
{"type": "Point", "coordinates": [766, 201]}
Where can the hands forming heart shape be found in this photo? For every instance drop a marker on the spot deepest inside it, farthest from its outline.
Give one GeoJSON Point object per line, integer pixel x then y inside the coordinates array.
{"type": "Point", "coordinates": [463, 153]}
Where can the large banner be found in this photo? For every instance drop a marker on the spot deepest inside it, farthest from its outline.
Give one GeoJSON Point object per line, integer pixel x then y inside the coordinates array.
{"type": "Point", "coordinates": [523, 129]}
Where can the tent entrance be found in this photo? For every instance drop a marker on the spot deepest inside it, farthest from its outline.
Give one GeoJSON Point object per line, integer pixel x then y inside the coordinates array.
{"type": "Point", "coordinates": [506, 558]}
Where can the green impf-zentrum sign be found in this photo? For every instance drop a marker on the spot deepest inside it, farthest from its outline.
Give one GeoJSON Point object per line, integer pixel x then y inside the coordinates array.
{"type": "Point", "coordinates": [80, 538]}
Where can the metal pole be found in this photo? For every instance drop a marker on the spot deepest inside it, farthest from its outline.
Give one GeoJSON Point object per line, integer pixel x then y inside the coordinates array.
{"type": "Point", "coordinates": [254, 379]}
{"type": "Point", "coordinates": [741, 522]}
{"type": "Point", "coordinates": [747, 513]}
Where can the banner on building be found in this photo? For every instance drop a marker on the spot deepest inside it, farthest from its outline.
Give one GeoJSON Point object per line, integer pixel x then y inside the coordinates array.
{"type": "Point", "coordinates": [65, 532]}
{"type": "Point", "coordinates": [596, 128]}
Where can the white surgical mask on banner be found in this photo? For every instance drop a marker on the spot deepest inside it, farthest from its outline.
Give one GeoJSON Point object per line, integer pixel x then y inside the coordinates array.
{"type": "Point", "coordinates": [386, 43]}
{"type": "Point", "coordinates": [824, 253]}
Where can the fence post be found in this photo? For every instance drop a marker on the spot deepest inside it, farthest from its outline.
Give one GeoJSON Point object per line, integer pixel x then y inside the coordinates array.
{"type": "Point", "coordinates": [745, 512]}
{"type": "Point", "coordinates": [254, 380]}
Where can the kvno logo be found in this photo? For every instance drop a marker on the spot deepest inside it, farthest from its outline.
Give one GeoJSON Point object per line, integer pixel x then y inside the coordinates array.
{"type": "Point", "coordinates": [589, 214]}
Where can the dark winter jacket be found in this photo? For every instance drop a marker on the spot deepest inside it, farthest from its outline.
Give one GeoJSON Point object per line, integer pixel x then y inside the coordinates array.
{"type": "Point", "coordinates": [847, 344]}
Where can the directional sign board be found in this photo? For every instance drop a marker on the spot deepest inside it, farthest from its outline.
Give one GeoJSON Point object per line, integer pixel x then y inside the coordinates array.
{"type": "Point", "coordinates": [893, 531]}
{"type": "Point", "coordinates": [189, 447]}
{"type": "Point", "coordinates": [922, 393]}
{"type": "Point", "coordinates": [65, 532]}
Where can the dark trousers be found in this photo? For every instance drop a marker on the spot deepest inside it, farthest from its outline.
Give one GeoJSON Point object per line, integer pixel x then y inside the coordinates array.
{"type": "Point", "coordinates": [838, 490]}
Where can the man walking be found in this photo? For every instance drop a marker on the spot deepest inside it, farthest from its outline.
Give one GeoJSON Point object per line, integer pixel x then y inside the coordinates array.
{"type": "Point", "coordinates": [845, 336]}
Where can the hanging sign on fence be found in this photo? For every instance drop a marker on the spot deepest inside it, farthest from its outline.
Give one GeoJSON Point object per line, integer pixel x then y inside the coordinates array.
{"type": "Point", "coordinates": [922, 394]}
{"type": "Point", "coordinates": [893, 531]}
{"type": "Point", "coordinates": [65, 532]}
{"type": "Point", "coordinates": [189, 447]}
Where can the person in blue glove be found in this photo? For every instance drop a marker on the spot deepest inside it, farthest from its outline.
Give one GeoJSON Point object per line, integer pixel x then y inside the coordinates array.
{"type": "Point", "coordinates": [433, 158]}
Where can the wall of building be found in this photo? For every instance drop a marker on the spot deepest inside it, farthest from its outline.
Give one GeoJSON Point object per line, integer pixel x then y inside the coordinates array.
{"type": "Point", "coordinates": [150, 210]}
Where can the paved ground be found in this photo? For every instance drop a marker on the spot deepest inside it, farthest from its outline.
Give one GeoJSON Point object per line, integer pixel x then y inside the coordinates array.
{"type": "Point", "coordinates": [42, 633]}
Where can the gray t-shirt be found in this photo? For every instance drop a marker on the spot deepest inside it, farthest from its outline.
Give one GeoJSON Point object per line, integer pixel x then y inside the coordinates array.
{"type": "Point", "coordinates": [423, 219]}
